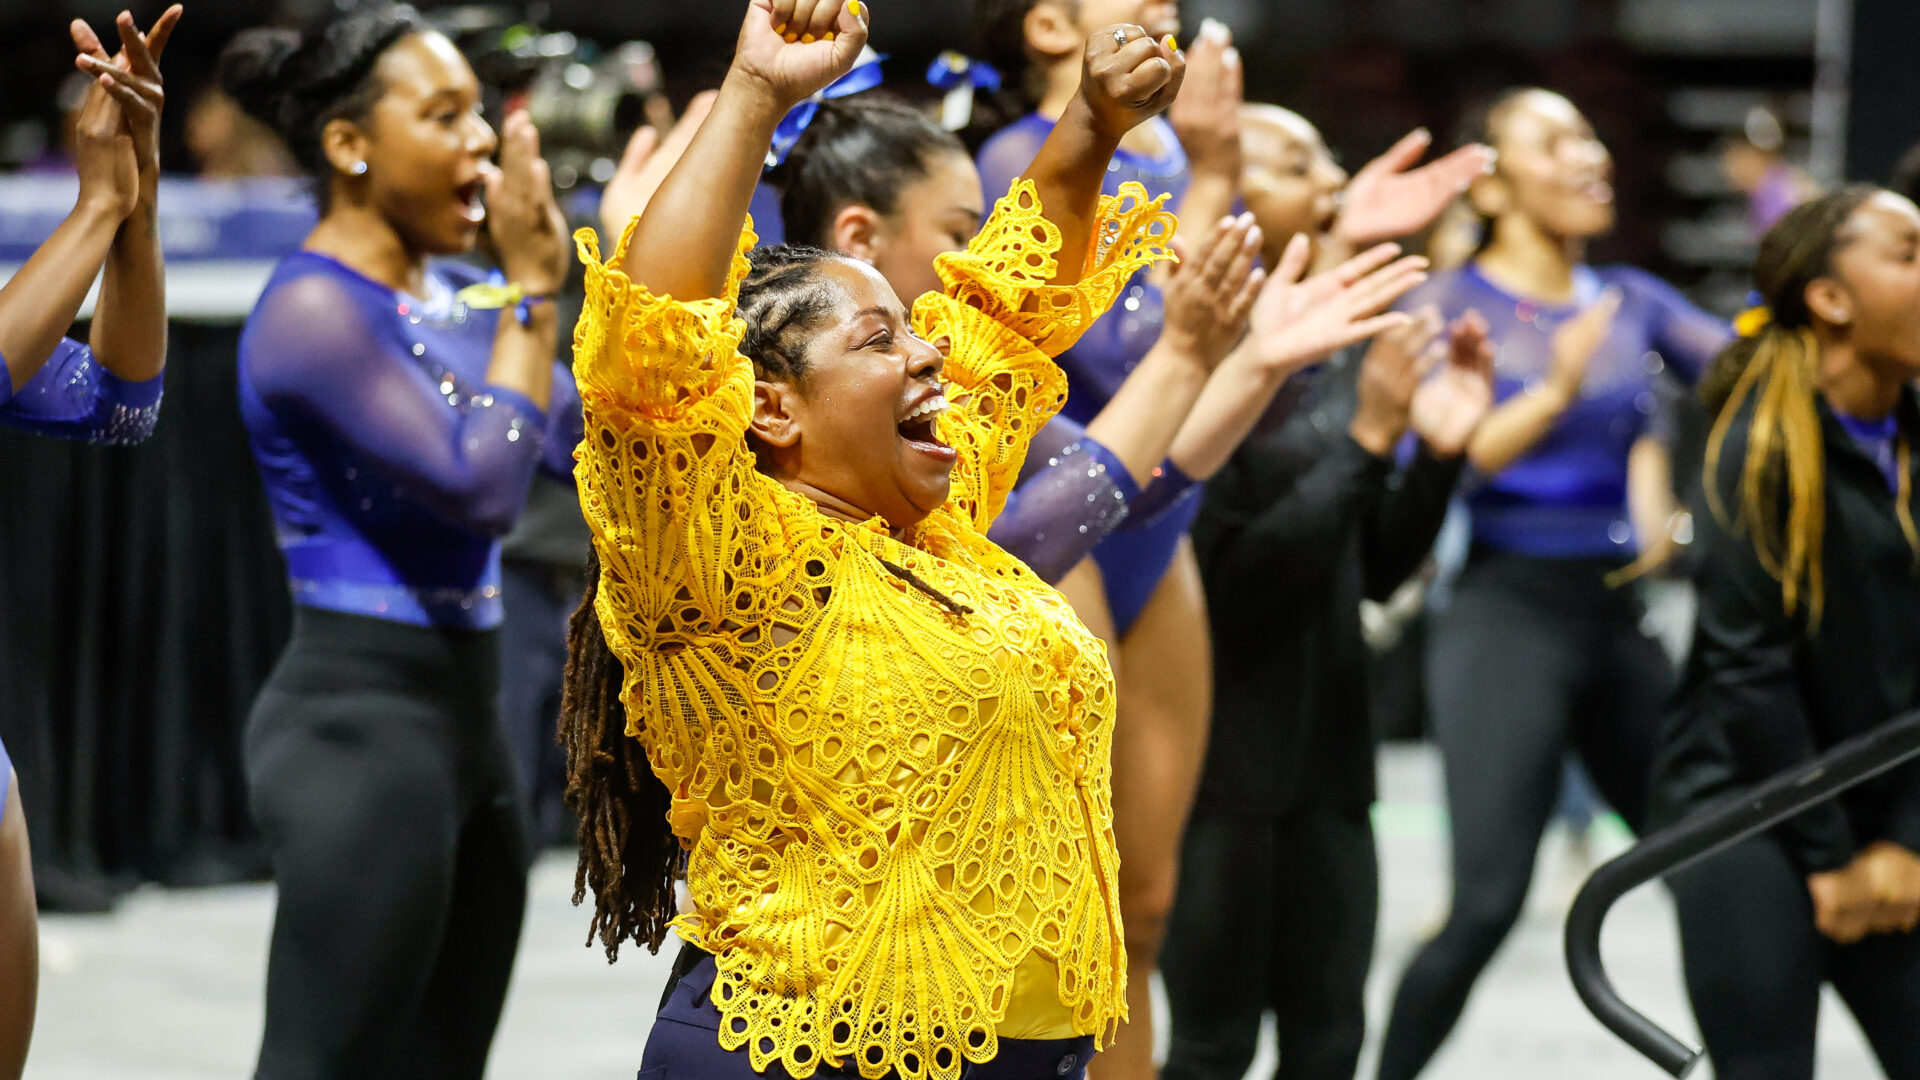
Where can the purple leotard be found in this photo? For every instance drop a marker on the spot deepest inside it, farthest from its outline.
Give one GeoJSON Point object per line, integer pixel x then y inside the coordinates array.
{"type": "Point", "coordinates": [391, 465]}
{"type": "Point", "coordinates": [1132, 560]}
{"type": "Point", "coordinates": [1567, 497]}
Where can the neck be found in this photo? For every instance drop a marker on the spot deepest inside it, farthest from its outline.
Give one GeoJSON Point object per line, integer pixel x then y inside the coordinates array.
{"type": "Point", "coordinates": [1526, 261]}
{"type": "Point", "coordinates": [364, 240]}
{"type": "Point", "coordinates": [1855, 389]}
{"type": "Point", "coordinates": [834, 506]}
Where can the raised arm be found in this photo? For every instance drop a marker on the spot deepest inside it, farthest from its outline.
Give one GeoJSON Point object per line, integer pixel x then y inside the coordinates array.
{"type": "Point", "coordinates": [130, 323]}
{"type": "Point", "coordinates": [42, 300]}
{"type": "Point", "coordinates": [1120, 87]}
{"type": "Point", "coordinates": [684, 243]}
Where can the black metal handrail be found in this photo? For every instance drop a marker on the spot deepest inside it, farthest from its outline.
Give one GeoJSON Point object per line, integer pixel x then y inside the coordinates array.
{"type": "Point", "coordinates": [1852, 762]}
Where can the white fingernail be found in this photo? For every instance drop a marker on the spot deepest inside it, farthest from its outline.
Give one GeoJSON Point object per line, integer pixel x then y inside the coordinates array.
{"type": "Point", "coordinates": [1231, 57]}
{"type": "Point", "coordinates": [1215, 30]}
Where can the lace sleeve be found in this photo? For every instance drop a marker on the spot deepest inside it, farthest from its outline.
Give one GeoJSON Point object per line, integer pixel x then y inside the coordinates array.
{"type": "Point", "coordinates": [690, 535]}
{"type": "Point", "coordinates": [1001, 324]}
{"type": "Point", "coordinates": [72, 396]}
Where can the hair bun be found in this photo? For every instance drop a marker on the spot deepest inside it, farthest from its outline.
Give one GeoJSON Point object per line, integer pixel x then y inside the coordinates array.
{"type": "Point", "coordinates": [252, 71]}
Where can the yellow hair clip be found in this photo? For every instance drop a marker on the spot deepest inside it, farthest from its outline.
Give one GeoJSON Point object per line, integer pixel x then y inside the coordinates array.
{"type": "Point", "coordinates": [1750, 322]}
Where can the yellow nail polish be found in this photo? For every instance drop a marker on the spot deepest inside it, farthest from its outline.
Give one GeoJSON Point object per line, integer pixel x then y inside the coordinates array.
{"type": "Point", "coordinates": [806, 39]}
{"type": "Point", "coordinates": [853, 8]}
{"type": "Point", "coordinates": [791, 38]}
{"type": "Point", "coordinates": [781, 29]}
{"type": "Point", "coordinates": [1172, 45]}
{"type": "Point", "coordinates": [828, 36]}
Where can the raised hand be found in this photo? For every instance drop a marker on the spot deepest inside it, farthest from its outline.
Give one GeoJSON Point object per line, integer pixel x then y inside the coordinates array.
{"type": "Point", "coordinates": [793, 48]}
{"type": "Point", "coordinates": [523, 220]}
{"type": "Point", "coordinates": [1389, 376]}
{"type": "Point", "coordinates": [132, 79]}
{"type": "Point", "coordinates": [1209, 296]}
{"type": "Point", "coordinates": [1206, 113]}
{"type": "Point", "coordinates": [1296, 323]}
{"type": "Point", "coordinates": [1575, 342]}
{"type": "Point", "coordinates": [1448, 407]}
{"type": "Point", "coordinates": [1126, 77]}
{"type": "Point", "coordinates": [645, 164]}
{"type": "Point", "coordinates": [1386, 201]}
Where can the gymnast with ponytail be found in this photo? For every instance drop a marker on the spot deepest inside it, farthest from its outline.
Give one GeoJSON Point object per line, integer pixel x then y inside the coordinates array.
{"type": "Point", "coordinates": [397, 405]}
{"type": "Point", "coordinates": [1807, 633]}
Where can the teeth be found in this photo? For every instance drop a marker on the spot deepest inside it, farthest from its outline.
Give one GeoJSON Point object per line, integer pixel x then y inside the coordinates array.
{"type": "Point", "coordinates": [930, 407]}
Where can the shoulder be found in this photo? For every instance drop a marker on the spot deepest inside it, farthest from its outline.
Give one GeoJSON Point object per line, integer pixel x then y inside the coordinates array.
{"type": "Point", "coordinates": [311, 307]}
{"type": "Point", "coordinates": [1635, 283]}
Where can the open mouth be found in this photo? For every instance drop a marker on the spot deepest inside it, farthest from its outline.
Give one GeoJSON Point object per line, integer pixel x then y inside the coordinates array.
{"type": "Point", "coordinates": [921, 424]}
{"type": "Point", "coordinates": [1598, 191]}
{"type": "Point", "coordinates": [472, 199]}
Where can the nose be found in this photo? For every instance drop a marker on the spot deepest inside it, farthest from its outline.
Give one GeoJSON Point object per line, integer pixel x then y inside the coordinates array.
{"type": "Point", "coordinates": [1332, 176]}
{"type": "Point", "coordinates": [925, 360]}
{"type": "Point", "coordinates": [482, 141]}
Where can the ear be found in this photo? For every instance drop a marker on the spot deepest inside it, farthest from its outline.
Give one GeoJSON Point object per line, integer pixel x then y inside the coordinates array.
{"type": "Point", "coordinates": [1490, 196]}
{"type": "Point", "coordinates": [774, 422]}
{"type": "Point", "coordinates": [1829, 301]}
{"type": "Point", "coordinates": [856, 231]}
{"type": "Point", "coordinates": [1051, 31]}
{"type": "Point", "coordinates": [345, 145]}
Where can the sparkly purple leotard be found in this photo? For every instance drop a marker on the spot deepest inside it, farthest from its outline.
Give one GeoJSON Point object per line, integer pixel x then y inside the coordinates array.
{"type": "Point", "coordinates": [391, 465]}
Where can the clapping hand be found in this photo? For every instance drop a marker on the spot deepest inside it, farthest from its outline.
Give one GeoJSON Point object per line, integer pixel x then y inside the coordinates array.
{"type": "Point", "coordinates": [1448, 407]}
{"type": "Point", "coordinates": [119, 128]}
{"type": "Point", "coordinates": [523, 220]}
{"type": "Point", "coordinates": [1389, 198]}
{"type": "Point", "coordinates": [1206, 113]}
{"type": "Point", "coordinates": [1209, 296]}
{"type": "Point", "coordinates": [645, 165]}
{"type": "Point", "coordinates": [1297, 323]}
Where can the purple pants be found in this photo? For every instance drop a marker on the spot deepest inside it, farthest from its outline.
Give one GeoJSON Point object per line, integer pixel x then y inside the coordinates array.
{"type": "Point", "coordinates": [685, 1042]}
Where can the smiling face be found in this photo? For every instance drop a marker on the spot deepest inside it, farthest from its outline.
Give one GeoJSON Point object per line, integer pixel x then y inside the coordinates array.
{"type": "Point", "coordinates": [426, 145]}
{"type": "Point", "coordinates": [935, 214]}
{"type": "Point", "coordinates": [858, 425]}
{"type": "Point", "coordinates": [1877, 264]}
{"type": "Point", "coordinates": [1289, 179]}
{"type": "Point", "coordinates": [1552, 169]}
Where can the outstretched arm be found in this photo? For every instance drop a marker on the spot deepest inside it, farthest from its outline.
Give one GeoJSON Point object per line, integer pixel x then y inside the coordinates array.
{"type": "Point", "coordinates": [684, 243]}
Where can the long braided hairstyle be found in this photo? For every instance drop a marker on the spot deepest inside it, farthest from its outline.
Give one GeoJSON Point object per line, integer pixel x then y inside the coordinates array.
{"type": "Point", "coordinates": [1782, 484]}
{"type": "Point", "coordinates": [629, 856]}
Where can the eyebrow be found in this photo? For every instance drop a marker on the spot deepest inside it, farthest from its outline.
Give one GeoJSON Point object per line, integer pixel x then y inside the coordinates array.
{"type": "Point", "coordinates": [882, 312]}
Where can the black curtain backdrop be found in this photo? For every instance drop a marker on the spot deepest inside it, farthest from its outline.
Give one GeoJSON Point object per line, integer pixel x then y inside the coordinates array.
{"type": "Point", "coordinates": [142, 603]}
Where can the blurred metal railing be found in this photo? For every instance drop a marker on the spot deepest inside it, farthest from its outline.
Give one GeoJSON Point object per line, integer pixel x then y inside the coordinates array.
{"type": "Point", "coordinates": [1852, 762]}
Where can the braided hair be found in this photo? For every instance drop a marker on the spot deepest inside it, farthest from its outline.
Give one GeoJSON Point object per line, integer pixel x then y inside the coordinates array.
{"type": "Point", "coordinates": [297, 82]}
{"type": "Point", "coordinates": [1782, 487]}
{"type": "Point", "coordinates": [629, 856]}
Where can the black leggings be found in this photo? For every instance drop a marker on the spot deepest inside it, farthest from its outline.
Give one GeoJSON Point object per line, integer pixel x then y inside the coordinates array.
{"type": "Point", "coordinates": [1755, 964]}
{"type": "Point", "coordinates": [1532, 654]}
{"type": "Point", "coordinates": [381, 781]}
{"type": "Point", "coordinates": [1272, 913]}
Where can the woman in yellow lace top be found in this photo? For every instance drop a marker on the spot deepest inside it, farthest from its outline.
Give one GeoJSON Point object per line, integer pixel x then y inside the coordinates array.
{"type": "Point", "coordinates": [876, 743]}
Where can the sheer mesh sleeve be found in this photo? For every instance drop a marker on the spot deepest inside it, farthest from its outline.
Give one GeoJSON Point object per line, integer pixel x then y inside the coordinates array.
{"type": "Point", "coordinates": [1071, 495]}
{"type": "Point", "coordinates": [1687, 337]}
{"type": "Point", "coordinates": [690, 535]}
{"type": "Point", "coordinates": [316, 356]}
{"type": "Point", "coordinates": [566, 425]}
{"type": "Point", "coordinates": [1002, 323]}
{"type": "Point", "coordinates": [72, 396]}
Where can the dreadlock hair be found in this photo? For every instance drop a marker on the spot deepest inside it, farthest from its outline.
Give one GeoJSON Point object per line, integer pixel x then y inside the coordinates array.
{"type": "Point", "coordinates": [297, 82]}
{"type": "Point", "coordinates": [1782, 485]}
{"type": "Point", "coordinates": [859, 151]}
{"type": "Point", "coordinates": [629, 856]}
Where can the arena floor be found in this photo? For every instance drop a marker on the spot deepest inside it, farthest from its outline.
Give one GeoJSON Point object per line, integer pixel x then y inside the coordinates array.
{"type": "Point", "coordinates": [168, 987]}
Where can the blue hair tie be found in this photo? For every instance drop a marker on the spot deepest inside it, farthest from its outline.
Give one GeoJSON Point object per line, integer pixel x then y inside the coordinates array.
{"type": "Point", "coordinates": [960, 76]}
{"type": "Point", "coordinates": [865, 75]}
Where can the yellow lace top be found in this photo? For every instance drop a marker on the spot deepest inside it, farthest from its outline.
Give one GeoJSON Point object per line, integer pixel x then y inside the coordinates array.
{"type": "Point", "coordinates": [888, 808]}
